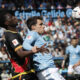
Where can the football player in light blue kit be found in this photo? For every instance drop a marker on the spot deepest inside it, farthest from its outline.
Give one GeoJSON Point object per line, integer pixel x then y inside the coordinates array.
{"type": "Point", "coordinates": [74, 49]}
{"type": "Point", "coordinates": [76, 16]}
{"type": "Point", "coordinates": [74, 56]}
{"type": "Point", "coordinates": [43, 60]}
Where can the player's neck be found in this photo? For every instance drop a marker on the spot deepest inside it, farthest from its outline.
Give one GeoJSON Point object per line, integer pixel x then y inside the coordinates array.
{"type": "Point", "coordinates": [12, 29]}
{"type": "Point", "coordinates": [74, 46]}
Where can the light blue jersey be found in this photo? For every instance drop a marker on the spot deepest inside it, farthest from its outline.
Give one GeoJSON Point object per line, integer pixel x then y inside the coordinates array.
{"type": "Point", "coordinates": [74, 54]}
{"type": "Point", "coordinates": [40, 61]}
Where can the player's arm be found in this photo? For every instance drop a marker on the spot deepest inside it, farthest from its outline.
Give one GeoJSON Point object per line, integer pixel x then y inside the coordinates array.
{"type": "Point", "coordinates": [63, 62]}
{"type": "Point", "coordinates": [77, 64]}
{"type": "Point", "coordinates": [16, 44]}
{"type": "Point", "coordinates": [21, 53]}
{"type": "Point", "coordinates": [65, 57]}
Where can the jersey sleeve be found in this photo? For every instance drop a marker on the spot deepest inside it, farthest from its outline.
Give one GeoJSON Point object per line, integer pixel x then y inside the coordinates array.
{"type": "Point", "coordinates": [15, 42]}
{"type": "Point", "coordinates": [29, 40]}
{"type": "Point", "coordinates": [67, 50]}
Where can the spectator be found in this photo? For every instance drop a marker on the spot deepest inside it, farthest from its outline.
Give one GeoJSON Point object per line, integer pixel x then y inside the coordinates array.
{"type": "Point", "coordinates": [1, 55]}
{"type": "Point", "coordinates": [52, 6]}
{"type": "Point", "coordinates": [68, 6]}
{"type": "Point", "coordinates": [57, 52]}
{"type": "Point", "coordinates": [58, 22]}
{"type": "Point", "coordinates": [59, 6]}
{"type": "Point", "coordinates": [44, 4]}
{"type": "Point", "coordinates": [4, 75]}
{"type": "Point", "coordinates": [11, 5]}
{"type": "Point", "coordinates": [30, 7]}
{"type": "Point", "coordinates": [41, 7]}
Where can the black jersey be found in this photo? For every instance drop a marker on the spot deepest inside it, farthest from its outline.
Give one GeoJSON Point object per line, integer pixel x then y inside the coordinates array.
{"type": "Point", "coordinates": [14, 42]}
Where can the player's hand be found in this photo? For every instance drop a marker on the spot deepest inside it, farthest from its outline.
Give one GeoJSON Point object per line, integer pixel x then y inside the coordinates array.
{"type": "Point", "coordinates": [34, 49]}
{"type": "Point", "coordinates": [39, 49]}
{"type": "Point", "coordinates": [62, 65]}
{"type": "Point", "coordinates": [42, 49]}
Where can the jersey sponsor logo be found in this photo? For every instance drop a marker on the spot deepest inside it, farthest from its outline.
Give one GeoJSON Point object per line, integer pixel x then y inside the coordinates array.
{"type": "Point", "coordinates": [29, 37]}
{"type": "Point", "coordinates": [15, 42]}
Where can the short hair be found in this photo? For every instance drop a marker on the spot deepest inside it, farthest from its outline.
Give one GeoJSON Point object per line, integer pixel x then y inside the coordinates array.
{"type": "Point", "coordinates": [33, 21]}
{"type": "Point", "coordinates": [74, 38]}
{"type": "Point", "coordinates": [3, 18]}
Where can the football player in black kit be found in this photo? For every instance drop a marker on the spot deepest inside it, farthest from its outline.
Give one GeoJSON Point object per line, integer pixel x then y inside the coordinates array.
{"type": "Point", "coordinates": [18, 56]}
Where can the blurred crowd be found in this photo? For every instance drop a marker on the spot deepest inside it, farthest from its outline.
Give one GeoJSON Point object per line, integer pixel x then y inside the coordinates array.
{"type": "Point", "coordinates": [34, 4]}
{"type": "Point", "coordinates": [58, 32]}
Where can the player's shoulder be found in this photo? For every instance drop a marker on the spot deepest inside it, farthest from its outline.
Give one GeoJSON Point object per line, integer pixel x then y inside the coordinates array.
{"type": "Point", "coordinates": [78, 46]}
{"type": "Point", "coordinates": [69, 47]}
{"type": "Point", "coordinates": [32, 33]}
{"type": "Point", "coordinates": [10, 34]}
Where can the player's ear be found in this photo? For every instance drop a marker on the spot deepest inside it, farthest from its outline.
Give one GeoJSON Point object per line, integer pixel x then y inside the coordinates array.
{"type": "Point", "coordinates": [33, 27]}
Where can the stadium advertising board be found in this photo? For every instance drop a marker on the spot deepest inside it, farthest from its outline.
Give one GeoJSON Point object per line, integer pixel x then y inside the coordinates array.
{"type": "Point", "coordinates": [53, 13]}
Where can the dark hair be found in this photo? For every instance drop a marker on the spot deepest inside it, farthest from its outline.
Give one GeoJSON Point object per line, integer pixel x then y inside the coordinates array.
{"type": "Point", "coordinates": [32, 21]}
{"type": "Point", "coordinates": [74, 38]}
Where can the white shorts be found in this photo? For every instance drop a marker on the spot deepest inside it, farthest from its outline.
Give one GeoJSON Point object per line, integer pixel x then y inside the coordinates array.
{"type": "Point", "coordinates": [49, 74]}
{"type": "Point", "coordinates": [75, 70]}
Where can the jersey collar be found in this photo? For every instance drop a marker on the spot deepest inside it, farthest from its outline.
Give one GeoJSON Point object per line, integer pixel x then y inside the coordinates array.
{"type": "Point", "coordinates": [10, 31]}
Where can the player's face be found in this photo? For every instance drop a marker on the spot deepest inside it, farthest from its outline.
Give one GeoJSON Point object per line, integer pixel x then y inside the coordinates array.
{"type": "Point", "coordinates": [39, 27]}
{"type": "Point", "coordinates": [74, 42]}
{"type": "Point", "coordinates": [11, 20]}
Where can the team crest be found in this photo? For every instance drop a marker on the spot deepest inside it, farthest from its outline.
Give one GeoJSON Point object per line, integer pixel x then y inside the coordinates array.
{"type": "Point", "coordinates": [15, 42]}
{"type": "Point", "coordinates": [29, 37]}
